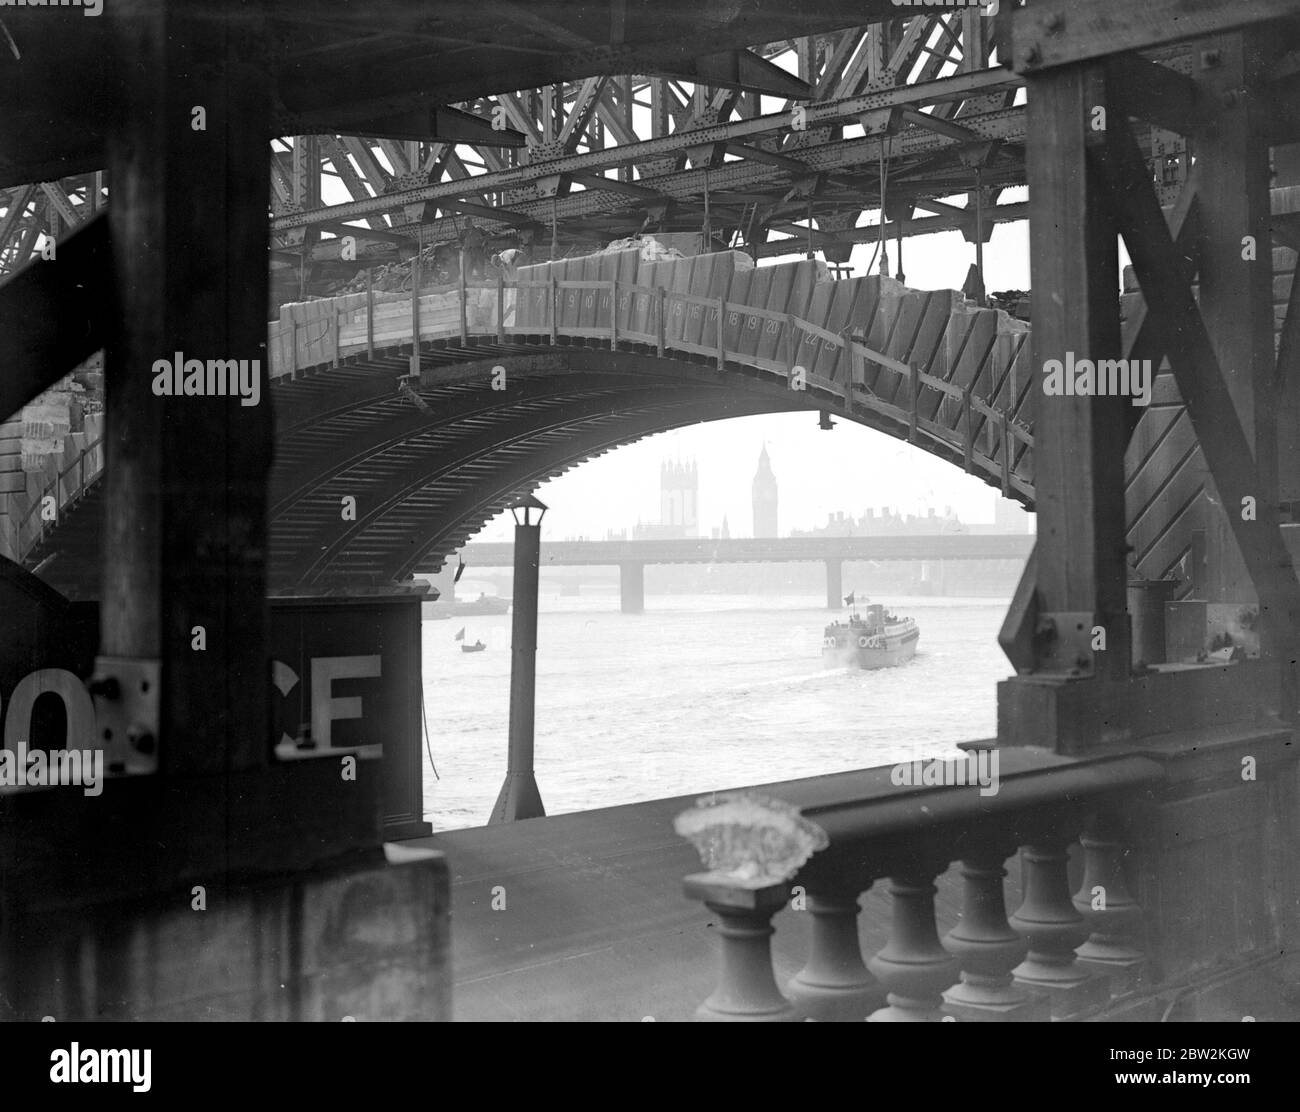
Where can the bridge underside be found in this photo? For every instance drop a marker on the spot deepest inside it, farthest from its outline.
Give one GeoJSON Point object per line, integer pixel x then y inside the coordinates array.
{"type": "Point", "coordinates": [427, 467]}
{"type": "Point", "coordinates": [69, 91]}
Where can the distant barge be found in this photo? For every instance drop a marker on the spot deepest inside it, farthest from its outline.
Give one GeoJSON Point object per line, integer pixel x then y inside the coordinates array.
{"type": "Point", "coordinates": [877, 640]}
{"type": "Point", "coordinates": [484, 604]}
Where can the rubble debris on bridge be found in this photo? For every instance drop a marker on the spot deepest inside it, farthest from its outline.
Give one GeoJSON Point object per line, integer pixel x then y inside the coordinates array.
{"type": "Point", "coordinates": [438, 270]}
{"type": "Point", "coordinates": [651, 249]}
{"type": "Point", "coordinates": [439, 263]}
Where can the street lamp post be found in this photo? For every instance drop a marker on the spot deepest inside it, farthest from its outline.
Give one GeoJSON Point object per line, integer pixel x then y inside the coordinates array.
{"type": "Point", "coordinates": [519, 798]}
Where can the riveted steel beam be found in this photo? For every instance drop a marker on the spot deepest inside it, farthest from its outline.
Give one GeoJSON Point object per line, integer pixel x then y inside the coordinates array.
{"type": "Point", "coordinates": [957, 87]}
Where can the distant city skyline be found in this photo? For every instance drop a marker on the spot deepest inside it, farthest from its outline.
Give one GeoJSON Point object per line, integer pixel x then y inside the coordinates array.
{"type": "Point", "coordinates": [849, 470]}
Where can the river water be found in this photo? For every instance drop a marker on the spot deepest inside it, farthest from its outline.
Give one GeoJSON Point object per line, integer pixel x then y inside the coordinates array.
{"type": "Point", "coordinates": [698, 694]}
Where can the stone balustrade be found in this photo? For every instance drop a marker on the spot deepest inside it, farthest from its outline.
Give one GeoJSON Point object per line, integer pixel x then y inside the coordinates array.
{"type": "Point", "coordinates": [1064, 953]}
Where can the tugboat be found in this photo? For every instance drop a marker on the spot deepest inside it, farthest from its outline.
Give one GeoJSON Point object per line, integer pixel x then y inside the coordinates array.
{"type": "Point", "coordinates": [878, 640]}
{"type": "Point", "coordinates": [484, 604]}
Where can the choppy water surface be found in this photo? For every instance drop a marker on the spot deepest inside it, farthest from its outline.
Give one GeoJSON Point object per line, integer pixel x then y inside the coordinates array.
{"type": "Point", "coordinates": [697, 694]}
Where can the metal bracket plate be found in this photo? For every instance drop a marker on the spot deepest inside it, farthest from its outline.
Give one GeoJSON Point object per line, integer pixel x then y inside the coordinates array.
{"type": "Point", "coordinates": [126, 694]}
{"type": "Point", "coordinates": [1063, 642]}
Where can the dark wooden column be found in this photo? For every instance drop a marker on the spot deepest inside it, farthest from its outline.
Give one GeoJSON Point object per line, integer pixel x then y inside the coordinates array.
{"type": "Point", "coordinates": [1236, 293]}
{"type": "Point", "coordinates": [186, 531]}
{"type": "Point", "coordinates": [1079, 441]}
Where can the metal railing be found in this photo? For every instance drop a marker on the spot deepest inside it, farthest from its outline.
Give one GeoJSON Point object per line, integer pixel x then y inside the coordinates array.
{"type": "Point", "coordinates": [987, 436]}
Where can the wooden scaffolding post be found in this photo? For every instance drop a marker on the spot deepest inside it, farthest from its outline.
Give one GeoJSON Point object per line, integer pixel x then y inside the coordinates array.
{"type": "Point", "coordinates": [464, 307]}
{"type": "Point", "coordinates": [501, 307]}
{"type": "Point", "coordinates": [416, 279]}
{"type": "Point", "coordinates": [185, 538]}
{"type": "Point", "coordinates": [1236, 292]}
{"type": "Point", "coordinates": [1081, 575]}
{"type": "Point", "coordinates": [370, 313]}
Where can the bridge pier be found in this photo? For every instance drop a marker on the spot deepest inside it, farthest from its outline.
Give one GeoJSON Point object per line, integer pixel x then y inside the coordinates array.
{"type": "Point", "coordinates": [631, 588]}
{"type": "Point", "coordinates": [834, 584]}
{"type": "Point", "coordinates": [933, 580]}
{"type": "Point", "coordinates": [444, 582]}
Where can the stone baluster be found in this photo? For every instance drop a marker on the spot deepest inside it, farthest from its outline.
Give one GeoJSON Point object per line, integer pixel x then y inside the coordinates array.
{"type": "Point", "coordinates": [835, 985]}
{"type": "Point", "coordinates": [747, 989]}
{"type": "Point", "coordinates": [987, 950]}
{"type": "Point", "coordinates": [1114, 947]}
{"type": "Point", "coordinates": [913, 967]}
{"type": "Point", "coordinates": [1053, 928]}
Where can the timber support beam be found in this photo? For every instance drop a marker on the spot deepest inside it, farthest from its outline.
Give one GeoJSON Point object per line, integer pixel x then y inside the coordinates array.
{"type": "Point", "coordinates": [1089, 180]}
{"type": "Point", "coordinates": [54, 314]}
{"type": "Point", "coordinates": [1246, 490]}
{"type": "Point", "coordinates": [1081, 630]}
{"type": "Point", "coordinates": [187, 475]}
